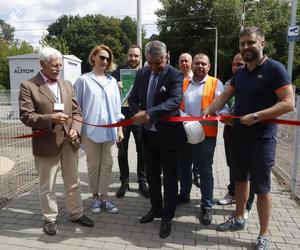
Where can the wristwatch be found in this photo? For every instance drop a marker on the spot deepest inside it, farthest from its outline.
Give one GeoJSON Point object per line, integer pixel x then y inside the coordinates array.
{"type": "Point", "coordinates": [255, 117]}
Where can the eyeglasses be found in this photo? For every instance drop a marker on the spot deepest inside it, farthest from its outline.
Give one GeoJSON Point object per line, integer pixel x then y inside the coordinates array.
{"type": "Point", "coordinates": [238, 64]}
{"type": "Point", "coordinates": [102, 58]}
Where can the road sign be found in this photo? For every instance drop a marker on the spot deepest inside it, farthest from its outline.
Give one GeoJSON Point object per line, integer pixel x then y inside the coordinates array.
{"type": "Point", "coordinates": [293, 34]}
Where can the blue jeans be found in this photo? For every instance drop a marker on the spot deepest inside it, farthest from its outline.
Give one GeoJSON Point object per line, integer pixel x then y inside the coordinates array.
{"type": "Point", "coordinates": [201, 156]}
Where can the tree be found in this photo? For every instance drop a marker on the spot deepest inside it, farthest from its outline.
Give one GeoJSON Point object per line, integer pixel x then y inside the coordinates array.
{"type": "Point", "coordinates": [10, 49]}
{"type": "Point", "coordinates": [58, 43]}
{"type": "Point", "coordinates": [273, 17]}
{"type": "Point", "coordinates": [6, 32]}
{"type": "Point", "coordinates": [182, 26]}
{"type": "Point", "coordinates": [81, 34]}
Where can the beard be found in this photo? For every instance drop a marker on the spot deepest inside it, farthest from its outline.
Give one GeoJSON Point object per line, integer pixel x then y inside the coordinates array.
{"type": "Point", "coordinates": [133, 64]}
{"type": "Point", "coordinates": [249, 55]}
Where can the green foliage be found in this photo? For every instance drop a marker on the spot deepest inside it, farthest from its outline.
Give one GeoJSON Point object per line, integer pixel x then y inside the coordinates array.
{"type": "Point", "coordinates": [58, 43]}
{"type": "Point", "coordinates": [10, 49]}
{"type": "Point", "coordinates": [81, 34]}
{"type": "Point", "coordinates": [296, 68]}
{"type": "Point", "coordinates": [182, 26]}
{"type": "Point", "coordinates": [273, 17]}
{"type": "Point", "coordinates": [6, 32]}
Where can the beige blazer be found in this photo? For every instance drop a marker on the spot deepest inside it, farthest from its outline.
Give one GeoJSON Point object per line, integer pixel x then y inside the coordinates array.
{"type": "Point", "coordinates": [36, 103]}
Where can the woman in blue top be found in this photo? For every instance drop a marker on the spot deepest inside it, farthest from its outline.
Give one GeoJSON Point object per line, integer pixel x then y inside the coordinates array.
{"type": "Point", "coordinates": [99, 98]}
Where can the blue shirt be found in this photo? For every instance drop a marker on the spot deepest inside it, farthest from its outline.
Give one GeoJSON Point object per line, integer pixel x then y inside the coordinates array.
{"type": "Point", "coordinates": [100, 104]}
{"type": "Point", "coordinates": [255, 91]}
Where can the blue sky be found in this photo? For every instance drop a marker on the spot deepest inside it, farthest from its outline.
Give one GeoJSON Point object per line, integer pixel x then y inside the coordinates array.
{"type": "Point", "coordinates": [32, 17]}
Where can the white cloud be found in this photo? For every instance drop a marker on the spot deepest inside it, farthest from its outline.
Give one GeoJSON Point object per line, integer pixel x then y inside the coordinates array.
{"type": "Point", "coordinates": [32, 17]}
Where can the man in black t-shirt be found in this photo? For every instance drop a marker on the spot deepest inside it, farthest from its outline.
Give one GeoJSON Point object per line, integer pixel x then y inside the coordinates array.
{"type": "Point", "coordinates": [133, 62]}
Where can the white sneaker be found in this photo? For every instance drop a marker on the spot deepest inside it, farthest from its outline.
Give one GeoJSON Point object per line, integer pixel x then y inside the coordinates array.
{"type": "Point", "coordinates": [108, 206]}
{"type": "Point", "coordinates": [96, 206]}
{"type": "Point", "coordinates": [227, 200]}
{"type": "Point", "coordinates": [246, 214]}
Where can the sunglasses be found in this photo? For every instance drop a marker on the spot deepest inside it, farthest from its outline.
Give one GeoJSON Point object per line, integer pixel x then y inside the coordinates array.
{"type": "Point", "coordinates": [238, 64]}
{"type": "Point", "coordinates": [102, 58]}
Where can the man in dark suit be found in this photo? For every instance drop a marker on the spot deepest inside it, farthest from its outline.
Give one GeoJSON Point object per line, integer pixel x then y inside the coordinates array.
{"type": "Point", "coordinates": [46, 103]}
{"type": "Point", "coordinates": [157, 94]}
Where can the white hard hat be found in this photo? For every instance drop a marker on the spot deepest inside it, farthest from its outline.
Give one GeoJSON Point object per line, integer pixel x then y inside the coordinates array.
{"type": "Point", "coordinates": [194, 132]}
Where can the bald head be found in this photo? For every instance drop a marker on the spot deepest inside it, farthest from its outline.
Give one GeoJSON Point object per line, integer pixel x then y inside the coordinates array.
{"type": "Point", "coordinates": [185, 63]}
{"type": "Point", "coordinates": [237, 62]}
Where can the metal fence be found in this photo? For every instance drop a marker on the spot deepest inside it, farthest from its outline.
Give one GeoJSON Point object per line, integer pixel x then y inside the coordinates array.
{"type": "Point", "coordinates": [17, 171]}
{"type": "Point", "coordinates": [285, 150]}
{"type": "Point", "coordinates": [285, 153]}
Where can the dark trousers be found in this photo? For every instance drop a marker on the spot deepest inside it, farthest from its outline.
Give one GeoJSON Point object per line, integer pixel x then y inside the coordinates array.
{"type": "Point", "coordinates": [231, 185]}
{"type": "Point", "coordinates": [201, 156]}
{"type": "Point", "coordinates": [161, 159]}
{"type": "Point", "coordinates": [123, 155]}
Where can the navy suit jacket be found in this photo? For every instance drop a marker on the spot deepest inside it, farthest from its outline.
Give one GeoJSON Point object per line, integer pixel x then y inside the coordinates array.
{"type": "Point", "coordinates": [167, 98]}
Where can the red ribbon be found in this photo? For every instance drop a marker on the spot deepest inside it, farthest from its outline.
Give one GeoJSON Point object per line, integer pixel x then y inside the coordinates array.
{"type": "Point", "coordinates": [122, 123]}
{"type": "Point", "coordinates": [191, 118]}
{"type": "Point", "coordinates": [36, 133]}
{"type": "Point", "coordinates": [128, 122]}
{"type": "Point", "coordinates": [225, 117]}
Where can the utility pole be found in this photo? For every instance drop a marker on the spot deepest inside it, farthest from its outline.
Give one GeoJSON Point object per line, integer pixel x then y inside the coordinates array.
{"type": "Point", "coordinates": [243, 16]}
{"type": "Point", "coordinates": [296, 162]}
{"type": "Point", "coordinates": [292, 43]}
{"type": "Point", "coordinates": [216, 49]}
{"type": "Point", "coordinates": [139, 24]}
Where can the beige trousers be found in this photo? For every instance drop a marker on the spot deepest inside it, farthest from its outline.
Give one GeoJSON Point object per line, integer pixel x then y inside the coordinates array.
{"type": "Point", "coordinates": [47, 168]}
{"type": "Point", "coordinates": [99, 163]}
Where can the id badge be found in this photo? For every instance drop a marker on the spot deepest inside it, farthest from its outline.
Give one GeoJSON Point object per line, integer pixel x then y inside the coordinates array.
{"type": "Point", "coordinates": [58, 107]}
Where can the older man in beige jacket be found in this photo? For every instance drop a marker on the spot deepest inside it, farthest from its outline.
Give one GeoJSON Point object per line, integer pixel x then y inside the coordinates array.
{"type": "Point", "coordinates": [48, 103]}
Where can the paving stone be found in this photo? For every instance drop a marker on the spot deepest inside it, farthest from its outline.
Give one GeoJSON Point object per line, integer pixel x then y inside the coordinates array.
{"type": "Point", "coordinates": [149, 244]}
{"type": "Point", "coordinates": [21, 220]}
{"type": "Point", "coordinates": [113, 246]}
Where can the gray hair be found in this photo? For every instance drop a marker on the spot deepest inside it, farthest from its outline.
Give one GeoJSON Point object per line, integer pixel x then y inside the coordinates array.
{"type": "Point", "coordinates": [155, 48]}
{"type": "Point", "coordinates": [189, 56]}
{"type": "Point", "coordinates": [47, 53]}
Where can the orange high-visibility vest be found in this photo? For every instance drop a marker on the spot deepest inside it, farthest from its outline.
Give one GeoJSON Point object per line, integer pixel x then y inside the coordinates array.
{"type": "Point", "coordinates": [210, 127]}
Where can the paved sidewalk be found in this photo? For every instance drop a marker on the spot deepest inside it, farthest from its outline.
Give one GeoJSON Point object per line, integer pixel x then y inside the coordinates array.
{"type": "Point", "coordinates": [21, 225]}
